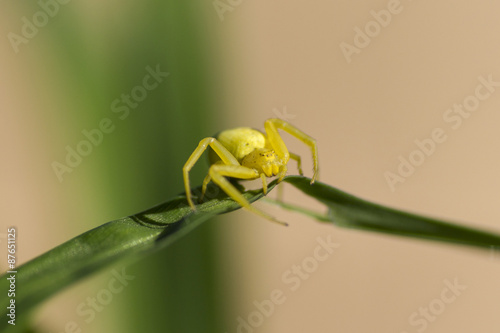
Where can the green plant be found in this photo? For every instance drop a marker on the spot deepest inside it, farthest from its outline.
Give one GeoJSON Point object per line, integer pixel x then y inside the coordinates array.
{"type": "Point", "coordinates": [141, 234]}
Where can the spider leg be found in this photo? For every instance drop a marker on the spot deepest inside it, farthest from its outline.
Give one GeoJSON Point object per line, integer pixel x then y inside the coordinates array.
{"type": "Point", "coordinates": [224, 154]}
{"type": "Point", "coordinates": [299, 162]}
{"type": "Point", "coordinates": [218, 172]}
{"type": "Point", "coordinates": [271, 126]}
{"type": "Point", "coordinates": [297, 158]}
{"type": "Point", "coordinates": [264, 183]}
{"type": "Point", "coordinates": [204, 187]}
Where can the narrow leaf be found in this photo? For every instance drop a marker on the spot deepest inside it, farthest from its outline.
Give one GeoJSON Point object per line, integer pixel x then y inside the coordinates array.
{"type": "Point", "coordinates": [95, 249]}
{"type": "Point", "coordinates": [348, 211]}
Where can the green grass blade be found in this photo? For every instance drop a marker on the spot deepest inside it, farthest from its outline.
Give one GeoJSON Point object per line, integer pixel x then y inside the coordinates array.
{"type": "Point", "coordinates": [348, 211]}
{"type": "Point", "coordinates": [159, 226]}
{"type": "Point", "coordinates": [95, 249]}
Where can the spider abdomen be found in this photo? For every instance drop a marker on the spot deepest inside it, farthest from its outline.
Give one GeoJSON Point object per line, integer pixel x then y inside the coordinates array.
{"type": "Point", "coordinates": [240, 142]}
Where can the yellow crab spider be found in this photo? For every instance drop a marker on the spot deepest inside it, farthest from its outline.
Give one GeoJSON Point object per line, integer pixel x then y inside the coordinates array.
{"type": "Point", "coordinates": [246, 153]}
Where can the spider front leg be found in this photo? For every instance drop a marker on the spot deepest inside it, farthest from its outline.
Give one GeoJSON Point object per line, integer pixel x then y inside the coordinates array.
{"type": "Point", "coordinates": [223, 153]}
{"type": "Point", "coordinates": [218, 172]}
{"type": "Point", "coordinates": [272, 126]}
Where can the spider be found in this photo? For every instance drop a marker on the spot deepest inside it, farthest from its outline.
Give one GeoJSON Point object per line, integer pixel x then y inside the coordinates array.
{"type": "Point", "coordinates": [246, 153]}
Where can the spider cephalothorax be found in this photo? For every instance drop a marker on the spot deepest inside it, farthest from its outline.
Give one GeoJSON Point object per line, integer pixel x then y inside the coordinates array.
{"type": "Point", "coordinates": [264, 160]}
{"type": "Point", "coordinates": [246, 153]}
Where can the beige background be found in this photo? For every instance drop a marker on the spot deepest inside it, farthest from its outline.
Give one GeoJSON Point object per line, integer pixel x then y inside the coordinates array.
{"type": "Point", "coordinates": [286, 55]}
{"type": "Point", "coordinates": [365, 114]}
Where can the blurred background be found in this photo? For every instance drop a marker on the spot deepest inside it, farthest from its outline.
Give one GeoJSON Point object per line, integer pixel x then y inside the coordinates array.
{"type": "Point", "coordinates": [366, 79]}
